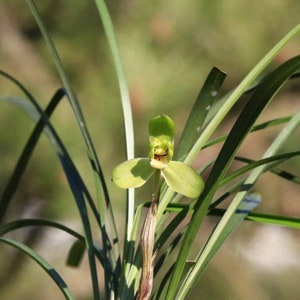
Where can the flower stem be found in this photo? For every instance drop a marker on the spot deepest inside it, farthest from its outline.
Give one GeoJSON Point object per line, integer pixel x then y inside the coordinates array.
{"type": "Point", "coordinates": [147, 242]}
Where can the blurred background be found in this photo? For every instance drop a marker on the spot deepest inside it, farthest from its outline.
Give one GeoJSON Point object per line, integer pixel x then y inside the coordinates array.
{"type": "Point", "coordinates": [168, 49]}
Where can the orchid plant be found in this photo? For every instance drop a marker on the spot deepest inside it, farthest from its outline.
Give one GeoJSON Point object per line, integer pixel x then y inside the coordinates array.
{"type": "Point", "coordinates": [171, 227]}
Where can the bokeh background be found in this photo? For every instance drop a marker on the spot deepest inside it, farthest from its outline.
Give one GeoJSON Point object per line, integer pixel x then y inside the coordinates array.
{"type": "Point", "coordinates": [168, 48]}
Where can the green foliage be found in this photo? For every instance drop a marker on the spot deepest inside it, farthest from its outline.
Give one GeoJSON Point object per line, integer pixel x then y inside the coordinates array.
{"type": "Point", "coordinates": [122, 263]}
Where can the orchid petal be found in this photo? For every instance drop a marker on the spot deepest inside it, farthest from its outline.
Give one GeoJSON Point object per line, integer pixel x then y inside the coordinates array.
{"type": "Point", "coordinates": [183, 179]}
{"type": "Point", "coordinates": [132, 173]}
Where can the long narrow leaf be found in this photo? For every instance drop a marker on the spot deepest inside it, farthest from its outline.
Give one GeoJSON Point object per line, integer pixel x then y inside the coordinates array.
{"type": "Point", "coordinates": [19, 224]}
{"type": "Point", "coordinates": [35, 112]}
{"type": "Point", "coordinates": [255, 105]}
{"type": "Point", "coordinates": [76, 184]}
{"type": "Point", "coordinates": [104, 204]}
{"type": "Point", "coordinates": [264, 125]}
{"type": "Point", "coordinates": [15, 178]}
{"type": "Point", "coordinates": [263, 218]}
{"type": "Point", "coordinates": [43, 263]}
{"type": "Point", "coordinates": [128, 123]}
{"type": "Point", "coordinates": [279, 220]}
{"type": "Point", "coordinates": [242, 211]}
{"type": "Point", "coordinates": [203, 104]}
{"type": "Point", "coordinates": [276, 170]}
{"type": "Point", "coordinates": [126, 105]}
{"type": "Point", "coordinates": [245, 122]}
{"type": "Point", "coordinates": [262, 96]}
{"type": "Point", "coordinates": [270, 166]}
{"type": "Point", "coordinates": [235, 95]}
{"type": "Point", "coordinates": [275, 220]}
{"type": "Point", "coordinates": [275, 160]}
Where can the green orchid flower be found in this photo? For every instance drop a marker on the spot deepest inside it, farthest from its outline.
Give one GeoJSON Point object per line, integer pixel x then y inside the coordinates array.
{"type": "Point", "coordinates": [179, 176]}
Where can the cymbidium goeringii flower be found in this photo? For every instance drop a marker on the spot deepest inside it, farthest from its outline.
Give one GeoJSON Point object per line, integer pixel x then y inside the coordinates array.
{"type": "Point", "coordinates": [179, 176]}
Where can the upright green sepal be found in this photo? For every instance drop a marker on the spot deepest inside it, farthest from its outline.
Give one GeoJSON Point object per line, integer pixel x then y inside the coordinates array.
{"type": "Point", "coordinates": [162, 125]}
{"type": "Point", "coordinates": [161, 141]}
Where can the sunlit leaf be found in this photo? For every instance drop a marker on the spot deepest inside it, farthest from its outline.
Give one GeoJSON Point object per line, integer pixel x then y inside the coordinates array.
{"type": "Point", "coordinates": [132, 173]}
{"type": "Point", "coordinates": [183, 179]}
{"type": "Point", "coordinates": [197, 118]}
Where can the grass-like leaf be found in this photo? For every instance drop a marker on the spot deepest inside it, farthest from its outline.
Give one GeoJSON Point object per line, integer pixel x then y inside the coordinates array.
{"type": "Point", "coordinates": [128, 125]}
{"type": "Point", "coordinates": [22, 223]}
{"type": "Point", "coordinates": [238, 92]}
{"type": "Point", "coordinates": [43, 263]}
{"type": "Point", "coordinates": [275, 220]}
{"type": "Point", "coordinates": [241, 128]}
{"type": "Point", "coordinates": [196, 119]}
{"type": "Point", "coordinates": [15, 178]}
{"type": "Point", "coordinates": [249, 115]}
{"type": "Point", "coordinates": [77, 186]}
{"type": "Point", "coordinates": [126, 105]}
{"type": "Point", "coordinates": [270, 164]}
{"type": "Point", "coordinates": [275, 160]}
{"type": "Point", "coordinates": [272, 167]}
{"type": "Point", "coordinates": [260, 98]}
{"type": "Point", "coordinates": [288, 222]}
{"type": "Point", "coordinates": [103, 202]}
{"type": "Point", "coordinates": [261, 126]}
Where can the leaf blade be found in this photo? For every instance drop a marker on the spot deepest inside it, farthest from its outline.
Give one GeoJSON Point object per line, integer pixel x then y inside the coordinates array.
{"type": "Point", "coordinates": [43, 263]}
{"type": "Point", "coordinates": [199, 112]}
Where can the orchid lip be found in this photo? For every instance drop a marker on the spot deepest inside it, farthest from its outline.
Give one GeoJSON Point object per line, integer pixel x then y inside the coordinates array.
{"type": "Point", "coordinates": [157, 164]}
